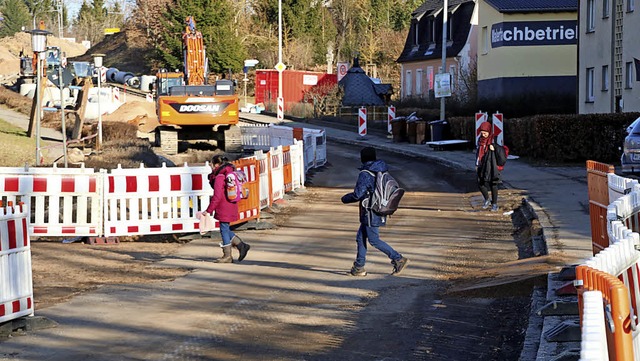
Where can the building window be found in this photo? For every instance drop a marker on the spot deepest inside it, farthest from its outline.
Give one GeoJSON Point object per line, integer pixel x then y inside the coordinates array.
{"type": "Point", "coordinates": [589, 83]}
{"type": "Point", "coordinates": [431, 24]}
{"type": "Point", "coordinates": [605, 9]}
{"type": "Point", "coordinates": [631, 5]}
{"type": "Point", "coordinates": [605, 77]}
{"type": "Point", "coordinates": [591, 16]}
{"type": "Point", "coordinates": [407, 83]}
{"type": "Point", "coordinates": [416, 34]}
{"type": "Point", "coordinates": [628, 83]}
{"type": "Point", "coordinates": [419, 82]}
{"type": "Point", "coordinates": [485, 40]}
{"type": "Point", "coordinates": [450, 27]}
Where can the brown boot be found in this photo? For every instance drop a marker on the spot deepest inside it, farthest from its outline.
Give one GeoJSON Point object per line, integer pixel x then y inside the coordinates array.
{"type": "Point", "coordinates": [242, 247]}
{"type": "Point", "coordinates": [226, 255]}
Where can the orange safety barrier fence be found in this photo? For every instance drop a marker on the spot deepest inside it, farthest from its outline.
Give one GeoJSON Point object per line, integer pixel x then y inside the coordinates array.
{"type": "Point", "coordinates": [617, 309]}
{"type": "Point", "coordinates": [597, 184]}
{"type": "Point", "coordinates": [286, 168]}
{"type": "Point", "coordinates": [249, 208]}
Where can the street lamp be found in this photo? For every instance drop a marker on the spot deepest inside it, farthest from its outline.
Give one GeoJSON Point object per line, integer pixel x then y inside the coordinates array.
{"type": "Point", "coordinates": [97, 63]}
{"type": "Point", "coordinates": [39, 46]}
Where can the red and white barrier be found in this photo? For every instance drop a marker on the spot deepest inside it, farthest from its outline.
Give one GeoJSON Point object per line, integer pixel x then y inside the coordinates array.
{"type": "Point", "coordinates": [264, 166]}
{"type": "Point", "coordinates": [64, 202]}
{"type": "Point", "coordinates": [480, 118]}
{"type": "Point", "coordinates": [16, 284]}
{"type": "Point", "coordinates": [155, 200]}
{"type": "Point", "coordinates": [498, 128]}
{"type": "Point", "coordinates": [277, 175]}
{"type": "Point", "coordinates": [362, 121]}
{"type": "Point", "coordinates": [280, 111]}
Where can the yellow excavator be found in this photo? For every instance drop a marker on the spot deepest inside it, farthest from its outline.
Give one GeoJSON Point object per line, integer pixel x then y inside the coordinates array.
{"type": "Point", "coordinates": [189, 109]}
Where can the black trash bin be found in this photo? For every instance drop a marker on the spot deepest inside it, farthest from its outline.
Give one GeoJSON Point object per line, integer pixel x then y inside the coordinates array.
{"type": "Point", "coordinates": [438, 129]}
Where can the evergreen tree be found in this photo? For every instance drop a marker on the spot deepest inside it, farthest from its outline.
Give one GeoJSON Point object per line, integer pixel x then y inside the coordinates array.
{"type": "Point", "coordinates": [16, 15]}
{"type": "Point", "coordinates": [215, 21]}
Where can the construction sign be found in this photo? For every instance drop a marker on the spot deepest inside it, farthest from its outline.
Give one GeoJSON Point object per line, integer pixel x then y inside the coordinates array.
{"type": "Point", "coordinates": [498, 128]}
{"type": "Point", "coordinates": [480, 118]}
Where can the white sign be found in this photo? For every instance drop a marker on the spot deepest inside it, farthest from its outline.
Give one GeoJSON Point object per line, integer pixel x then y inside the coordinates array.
{"type": "Point", "coordinates": [443, 85]}
{"type": "Point", "coordinates": [343, 68]}
{"type": "Point", "coordinates": [309, 79]}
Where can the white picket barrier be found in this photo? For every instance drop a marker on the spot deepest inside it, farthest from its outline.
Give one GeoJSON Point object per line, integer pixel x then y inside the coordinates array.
{"type": "Point", "coordinates": [265, 137]}
{"type": "Point", "coordinates": [264, 171]}
{"type": "Point", "coordinates": [62, 201]}
{"type": "Point", "coordinates": [619, 186]}
{"type": "Point", "coordinates": [277, 175]}
{"type": "Point", "coordinates": [155, 200]}
{"type": "Point", "coordinates": [16, 283]}
{"type": "Point", "coordinates": [593, 346]}
{"type": "Point", "coordinates": [297, 164]}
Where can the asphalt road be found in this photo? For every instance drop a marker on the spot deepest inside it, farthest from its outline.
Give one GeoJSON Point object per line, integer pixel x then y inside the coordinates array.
{"type": "Point", "coordinates": [292, 299]}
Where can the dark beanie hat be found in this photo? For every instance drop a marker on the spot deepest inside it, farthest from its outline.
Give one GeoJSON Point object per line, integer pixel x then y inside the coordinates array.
{"type": "Point", "coordinates": [367, 154]}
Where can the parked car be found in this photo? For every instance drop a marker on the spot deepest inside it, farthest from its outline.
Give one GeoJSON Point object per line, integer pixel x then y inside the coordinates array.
{"type": "Point", "coordinates": [630, 159]}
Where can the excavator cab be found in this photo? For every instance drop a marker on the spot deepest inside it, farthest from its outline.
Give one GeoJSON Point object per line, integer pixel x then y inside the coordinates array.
{"type": "Point", "coordinates": [167, 80]}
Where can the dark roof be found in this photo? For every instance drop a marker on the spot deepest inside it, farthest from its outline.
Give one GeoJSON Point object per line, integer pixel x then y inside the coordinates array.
{"type": "Point", "coordinates": [430, 6]}
{"type": "Point", "coordinates": [528, 6]}
{"type": "Point", "coordinates": [359, 89]}
{"type": "Point", "coordinates": [462, 22]}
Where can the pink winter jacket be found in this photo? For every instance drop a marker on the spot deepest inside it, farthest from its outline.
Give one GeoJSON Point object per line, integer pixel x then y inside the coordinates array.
{"type": "Point", "coordinates": [225, 211]}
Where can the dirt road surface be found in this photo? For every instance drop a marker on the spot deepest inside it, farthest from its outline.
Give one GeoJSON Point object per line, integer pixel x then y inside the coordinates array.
{"type": "Point", "coordinates": [292, 299]}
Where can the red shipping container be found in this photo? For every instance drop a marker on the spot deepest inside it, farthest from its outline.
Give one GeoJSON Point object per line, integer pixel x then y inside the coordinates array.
{"type": "Point", "coordinates": [294, 84]}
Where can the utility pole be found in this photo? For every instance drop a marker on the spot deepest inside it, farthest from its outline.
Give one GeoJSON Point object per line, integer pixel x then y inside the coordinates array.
{"type": "Point", "coordinates": [445, 12]}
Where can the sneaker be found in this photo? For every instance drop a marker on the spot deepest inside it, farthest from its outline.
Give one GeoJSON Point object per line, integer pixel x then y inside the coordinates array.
{"type": "Point", "coordinates": [494, 208]}
{"type": "Point", "coordinates": [358, 272]}
{"type": "Point", "coordinates": [486, 204]}
{"type": "Point", "coordinates": [399, 265]}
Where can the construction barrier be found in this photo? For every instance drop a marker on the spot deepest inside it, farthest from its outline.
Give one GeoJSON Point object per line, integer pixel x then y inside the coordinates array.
{"type": "Point", "coordinates": [249, 208]}
{"type": "Point", "coordinates": [598, 187]}
{"type": "Point", "coordinates": [614, 270]}
{"type": "Point", "coordinates": [62, 201]}
{"type": "Point", "coordinates": [277, 173]}
{"type": "Point", "coordinates": [16, 285]}
{"type": "Point", "coordinates": [286, 169]}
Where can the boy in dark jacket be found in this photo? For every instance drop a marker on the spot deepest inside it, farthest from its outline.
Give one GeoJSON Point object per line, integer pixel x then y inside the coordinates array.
{"type": "Point", "coordinates": [369, 221]}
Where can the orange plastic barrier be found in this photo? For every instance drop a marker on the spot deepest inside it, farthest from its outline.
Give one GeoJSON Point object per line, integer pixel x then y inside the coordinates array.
{"type": "Point", "coordinates": [618, 317]}
{"type": "Point", "coordinates": [249, 208]}
{"type": "Point", "coordinates": [598, 187]}
{"type": "Point", "coordinates": [286, 169]}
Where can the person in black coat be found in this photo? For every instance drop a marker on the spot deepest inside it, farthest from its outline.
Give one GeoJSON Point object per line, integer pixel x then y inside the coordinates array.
{"type": "Point", "coordinates": [487, 170]}
{"type": "Point", "coordinates": [370, 221]}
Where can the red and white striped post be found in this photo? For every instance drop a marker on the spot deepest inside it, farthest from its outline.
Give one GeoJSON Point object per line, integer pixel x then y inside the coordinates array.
{"type": "Point", "coordinates": [391, 116]}
{"type": "Point", "coordinates": [362, 121]}
{"type": "Point", "coordinates": [498, 128]}
{"type": "Point", "coordinates": [280, 108]}
{"type": "Point", "coordinates": [480, 118]}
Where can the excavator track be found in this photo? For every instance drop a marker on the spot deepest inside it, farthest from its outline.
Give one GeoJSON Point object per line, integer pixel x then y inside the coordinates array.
{"type": "Point", "coordinates": [167, 140]}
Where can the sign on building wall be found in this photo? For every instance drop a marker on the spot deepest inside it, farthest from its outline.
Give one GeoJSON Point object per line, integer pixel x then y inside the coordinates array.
{"type": "Point", "coordinates": [533, 33]}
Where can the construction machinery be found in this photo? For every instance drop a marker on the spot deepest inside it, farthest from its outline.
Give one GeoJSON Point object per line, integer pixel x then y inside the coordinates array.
{"type": "Point", "coordinates": [191, 110]}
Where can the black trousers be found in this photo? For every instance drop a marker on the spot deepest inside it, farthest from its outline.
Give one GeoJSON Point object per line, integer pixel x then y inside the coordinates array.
{"type": "Point", "coordinates": [485, 187]}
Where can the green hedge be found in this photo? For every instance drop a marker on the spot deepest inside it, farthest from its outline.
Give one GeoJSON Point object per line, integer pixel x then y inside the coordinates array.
{"type": "Point", "coordinates": [558, 137]}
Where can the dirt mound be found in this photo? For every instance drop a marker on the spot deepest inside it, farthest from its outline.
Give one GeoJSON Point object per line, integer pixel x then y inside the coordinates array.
{"type": "Point", "coordinates": [126, 51]}
{"type": "Point", "coordinates": [11, 46]}
{"type": "Point", "coordinates": [140, 113]}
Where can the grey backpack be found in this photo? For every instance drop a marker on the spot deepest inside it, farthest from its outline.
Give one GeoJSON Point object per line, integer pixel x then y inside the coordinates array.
{"type": "Point", "coordinates": [386, 195]}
